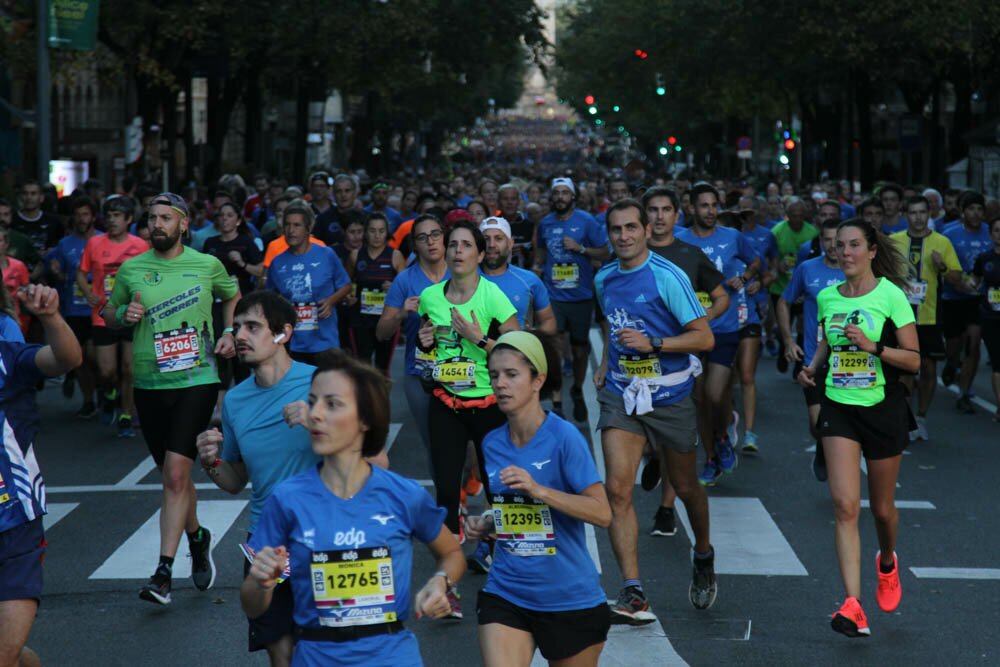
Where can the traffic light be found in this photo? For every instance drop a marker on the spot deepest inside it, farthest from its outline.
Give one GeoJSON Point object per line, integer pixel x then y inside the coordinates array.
{"type": "Point", "coordinates": [589, 99]}
{"type": "Point", "coordinates": [663, 150]}
{"type": "Point", "coordinates": [640, 54]}
{"type": "Point", "coordinates": [672, 140]}
{"type": "Point", "coordinates": [593, 110]}
{"type": "Point", "coordinates": [790, 144]}
{"type": "Point", "coordinates": [661, 88]}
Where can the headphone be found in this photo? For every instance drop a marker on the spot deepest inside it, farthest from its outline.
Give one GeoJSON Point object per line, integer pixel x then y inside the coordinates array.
{"type": "Point", "coordinates": [280, 337]}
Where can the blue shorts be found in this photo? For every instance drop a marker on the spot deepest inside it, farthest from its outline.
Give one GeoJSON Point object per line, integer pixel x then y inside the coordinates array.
{"type": "Point", "coordinates": [21, 552]}
{"type": "Point", "coordinates": [724, 352]}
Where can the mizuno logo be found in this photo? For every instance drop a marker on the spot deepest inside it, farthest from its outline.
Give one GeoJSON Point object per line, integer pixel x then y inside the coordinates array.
{"type": "Point", "coordinates": [314, 264]}
{"type": "Point", "coordinates": [383, 518]}
{"type": "Point", "coordinates": [540, 464]}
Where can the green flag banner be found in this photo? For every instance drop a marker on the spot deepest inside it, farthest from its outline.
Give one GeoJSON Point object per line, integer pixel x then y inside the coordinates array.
{"type": "Point", "coordinates": [73, 24]}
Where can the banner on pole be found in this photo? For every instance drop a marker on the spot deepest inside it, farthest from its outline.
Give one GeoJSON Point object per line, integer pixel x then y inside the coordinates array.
{"type": "Point", "coordinates": [73, 24]}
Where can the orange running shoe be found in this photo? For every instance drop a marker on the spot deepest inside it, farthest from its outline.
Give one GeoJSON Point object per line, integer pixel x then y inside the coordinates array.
{"type": "Point", "coordinates": [889, 591]}
{"type": "Point", "coordinates": [850, 619]}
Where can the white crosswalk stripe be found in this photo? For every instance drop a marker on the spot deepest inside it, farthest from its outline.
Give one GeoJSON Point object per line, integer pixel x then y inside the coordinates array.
{"type": "Point", "coordinates": [56, 513]}
{"type": "Point", "coordinates": [137, 556]}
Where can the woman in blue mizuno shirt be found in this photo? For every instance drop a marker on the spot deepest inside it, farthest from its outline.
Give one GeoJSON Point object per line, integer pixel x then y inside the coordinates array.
{"type": "Point", "coordinates": [544, 488]}
{"type": "Point", "coordinates": [345, 529]}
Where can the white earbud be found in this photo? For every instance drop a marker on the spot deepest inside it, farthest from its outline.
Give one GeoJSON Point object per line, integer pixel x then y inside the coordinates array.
{"type": "Point", "coordinates": [280, 337]}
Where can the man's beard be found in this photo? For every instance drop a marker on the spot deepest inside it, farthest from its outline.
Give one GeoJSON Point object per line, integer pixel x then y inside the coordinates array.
{"type": "Point", "coordinates": [164, 244]}
{"type": "Point", "coordinates": [494, 264]}
{"type": "Point", "coordinates": [561, 207]}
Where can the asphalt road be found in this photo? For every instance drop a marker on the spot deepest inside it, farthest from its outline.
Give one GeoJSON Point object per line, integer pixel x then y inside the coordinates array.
{"type": "Point", "coordinates": [772, 530]}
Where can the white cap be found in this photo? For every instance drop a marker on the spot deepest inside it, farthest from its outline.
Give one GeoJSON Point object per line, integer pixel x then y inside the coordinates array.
{"type": "Point", "coordinates": [562, 180]}
{"type": "Point", "coordinates": [494, 222]}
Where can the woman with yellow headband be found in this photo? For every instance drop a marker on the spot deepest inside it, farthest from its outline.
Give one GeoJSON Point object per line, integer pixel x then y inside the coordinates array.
{"type": "Point", "coordinates": [544, 488]}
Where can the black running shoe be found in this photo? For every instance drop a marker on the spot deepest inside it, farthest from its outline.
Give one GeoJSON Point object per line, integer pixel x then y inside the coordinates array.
{"type": "Point", "coordinates": [68, 385]}
{"type": "Point", "coordinates": [964, 405]}
{"type": "Point", "coordinates": [782, 364]}
{"type": "Point", "coordinates": [948, 374]}
{"type": "Point", "coordinates": [650, 477]}
{"type": "Point", "coordinates": [664, 523]}
{"type": "Point", "coordinates": [158, 588]}
{"type": "Point", "coordinates": [632, 608]}
{"type": "Point", "coordinates": [202, 565]}
{"type": "Point", "coordinates": [703, 587]}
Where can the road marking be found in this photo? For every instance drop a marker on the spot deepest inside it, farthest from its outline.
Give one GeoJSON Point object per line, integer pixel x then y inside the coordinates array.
{"type": "Point", "coordinates": [108, 488]}
{"type": "Point", "coordinates": [905, 504]}
{"type": "Point", "coordinates": [394, 429]}
{"type": "Point", "coordinates": [136, 557]}
{"type": "Point", "coordinates": [630, 645]}
{"type": "Point", "coordinates": [144, 468]}
{"type": "Point", "coordinates": [984, 404]}
{"type": "Point", "coordinates": [593, 407]}
{"type": "Point", "coordinates": [56, 513]}
{"type": "Point", "coordinates": [956, 572]}
{"type": "Point", "coordinates": [746, 539]}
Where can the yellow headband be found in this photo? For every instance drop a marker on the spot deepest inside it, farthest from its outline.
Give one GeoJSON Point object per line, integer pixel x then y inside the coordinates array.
{"type": "Point", "coordinates": [528, 345]}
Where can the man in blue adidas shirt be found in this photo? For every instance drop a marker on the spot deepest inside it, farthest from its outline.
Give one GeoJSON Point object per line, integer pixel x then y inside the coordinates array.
{"type": "Point", "coordinates": [566, 241]}
{"type": "Point", "coordinates": [656, 326]}
{"type": "Point", "coordinates": [256, 445]}
{"type": "Point", "coordinates": [22, 490]}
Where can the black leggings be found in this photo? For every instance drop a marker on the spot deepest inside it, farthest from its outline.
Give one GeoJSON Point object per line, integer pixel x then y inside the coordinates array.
{"type": "Point", "coordinates": [451, 431]}
{"type": "Point", "coordinates": [364, 345]}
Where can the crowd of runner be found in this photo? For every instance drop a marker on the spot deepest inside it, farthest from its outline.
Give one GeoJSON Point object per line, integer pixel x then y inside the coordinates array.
{"type": "Point", "coordinates": [250, 330]}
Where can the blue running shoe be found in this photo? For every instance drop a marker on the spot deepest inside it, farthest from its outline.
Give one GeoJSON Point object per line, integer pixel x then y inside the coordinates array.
{"type": "Point", "coordinates": [710, 473]}
{"type": "Point", "coordinates": [481, 559]}
{"type": "Point", "coordinates": [771, 346]}
{"type": "Point", "coordinates": [726, 455]}
{"type": "Point", "coordinates": [750, 443]}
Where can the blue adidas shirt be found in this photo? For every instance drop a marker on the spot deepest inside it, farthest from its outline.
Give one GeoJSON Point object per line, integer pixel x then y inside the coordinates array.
{"type": "Point", "coordinates": [255, 433]}
{"type": "Point", "coordinates": [569, 276]}
{"type": "Point", "coordinates": [556, 457]}
{"type": "Point", "coordinates": [72, 302]}
{"type": "Point", "coordinates": [306, 280]}
{"type": "Point", "coordinates": [524, 289]}
{"type": "Point", "coordinates": [807, 281]}
{"type": "Point", "coordinates": [22, 489]}
{"type": "Point", "coordinates": [722, 246]}
{"type": "Point", "coordinates": [329, 539]}
{"type": "Point", "coordinates": [411, 282]}
{"type": "Point", "coordinates": [968, 246]}
{"type": "Point", "coordinates": [657, 299]}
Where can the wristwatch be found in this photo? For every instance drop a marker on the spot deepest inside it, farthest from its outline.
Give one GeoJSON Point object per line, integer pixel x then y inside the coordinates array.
{"type": "Point", "coordinates": [879, 348]}
{"type": "Point", "coordinates": [447, 579]}
{"type": "Point", "coordinates": [483, 342]}
{"type": "Point", "coordinates": [657, 343]}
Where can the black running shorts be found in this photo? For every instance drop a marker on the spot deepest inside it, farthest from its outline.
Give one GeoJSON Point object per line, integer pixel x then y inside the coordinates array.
{"type": "Point", "coordinates": [171, 419]}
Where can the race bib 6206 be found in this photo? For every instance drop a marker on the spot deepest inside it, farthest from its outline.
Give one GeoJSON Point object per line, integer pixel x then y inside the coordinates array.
{"type": "Point", "coordinates": [176, 350]}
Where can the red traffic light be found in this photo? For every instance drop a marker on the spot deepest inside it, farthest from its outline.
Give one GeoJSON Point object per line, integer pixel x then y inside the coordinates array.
{"type": "Point", "coordinates": [790, 144]}
{"type": "Point", "coordinates": [671, 140]}
{"type": "Point", "coordinates": [589, 99]}
{"type": "Point", "coordinates": [642, 55]}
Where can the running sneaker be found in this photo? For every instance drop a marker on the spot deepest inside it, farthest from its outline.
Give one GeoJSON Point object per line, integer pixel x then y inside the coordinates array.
{"type": "Point", "coordinates": [68, 385]}
{"type": "Point", "coordinates": [948, 374]}
{"type": "Point", "coordinates": [733, 430]}
{"type": "Point", "coordinates": [473, 487]}
{"type": "Point", "coordinates": [87, 410]}
{"type": "Point", "coordinates": [650, 477]}
{"type": "Point", "coordinates": [664, 523]}
{"type": "Point", "coordinates": [202, 565]}
{"type": "Point", "coordinates": [632, 607]}
{"type": "Point", "coordinates": [703, 588]}
{"type": "Point", "coordinates": [728, 459]}
{"type": "Point", "coordinates": [125, 427]}
{"type": "Point", "coordinates": [889, 591]}
{"type": "Point", "coordinates": [964, 405]}
{"type": "Point", "coordinates": [710, 473]}
{"type": "Point", "coordinates": [108, 412]}
{"type": "Point", "coordinates": [819, 463]}
{"type": "Point", "coordinates": [850, 619]}
{"type": "Point", "coordinates": [455, 600]}
{"type": "Point", "coordinates": [481, 559]}
{"type": "Point", "coordinates": [782, 364]}
{"type": "Point", "coordinates": [750, 443]}
{"type": "Point", "coordinates": [922, 429]}
{"type": "Point", "coordinates": [579, 405]}
{"type": "Point", "coordinates": [158, 588]}
{"type": "Point", "coordinates": [771, 346]}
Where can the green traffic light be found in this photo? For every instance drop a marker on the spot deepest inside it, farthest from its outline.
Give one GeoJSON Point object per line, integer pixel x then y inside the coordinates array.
{"type": "Point", "coordinates": [678, 148]}
{"type": "Point", "coordinates": [660, 90]}
{"type": "Point", "coordinates": [616, 108]}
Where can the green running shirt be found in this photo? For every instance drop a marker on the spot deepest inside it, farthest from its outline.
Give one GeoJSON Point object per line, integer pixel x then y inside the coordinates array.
{"type": "Point", "coordinates": [856, 377]}
{"type": "Point", "coordinates": [169, 344]}
{"type": "Point", "coordinates": [461, 364]}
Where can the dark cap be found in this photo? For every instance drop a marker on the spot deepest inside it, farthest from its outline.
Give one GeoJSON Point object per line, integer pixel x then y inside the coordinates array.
{"type": "Point", "coordinates": [175, 202]}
